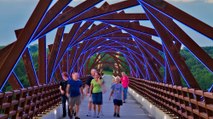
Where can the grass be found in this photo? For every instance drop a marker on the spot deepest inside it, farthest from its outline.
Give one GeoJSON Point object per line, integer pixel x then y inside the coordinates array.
{"type": "Point", "coordinates": [107, 72]}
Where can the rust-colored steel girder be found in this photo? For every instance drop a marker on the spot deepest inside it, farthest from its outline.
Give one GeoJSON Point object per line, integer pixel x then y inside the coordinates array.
{"type": "Point", "coordinates": [165, 36]}
{"type": "Point", "coordinates": [23, 40]}
{"type": "Point", "coordinates": [182, 37]}
{"type": "Point", "coordinates": [30, 70]}
{"type": "Point", "coordinates": [42, 61]}
{"type": "Point", "coordinates": [181, 16]}
{"type": "Point", "coordinates": [105, 9]}
{"type": "Point", "coordinates": [14, 82]}
{"type": "Point", "coordinates": [80, 58]}
{"type": "Point", "coordinates": [100, 30]}
{"type": "Point", "coordinates": [138, 58]}
{"type": "Point", "coordinates": [54, 52]}
{"type": "Point", "coordinates": [110, 64]}
{"type": "Point", "coordinates": [103, 61]}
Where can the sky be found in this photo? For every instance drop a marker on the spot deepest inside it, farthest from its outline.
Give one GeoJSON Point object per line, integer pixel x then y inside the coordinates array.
{"type": "Point", "coordinates": [15, 13]}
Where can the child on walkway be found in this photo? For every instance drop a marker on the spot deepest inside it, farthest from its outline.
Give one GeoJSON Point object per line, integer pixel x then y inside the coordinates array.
{"type": "Point", "coordinates": [117, 93]}
{"type": "Point", "coordinates": [125, 84]}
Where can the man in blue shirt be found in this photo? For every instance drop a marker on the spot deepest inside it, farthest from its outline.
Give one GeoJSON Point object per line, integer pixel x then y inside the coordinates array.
{"type": "Point", "coordinates": [75, 93]}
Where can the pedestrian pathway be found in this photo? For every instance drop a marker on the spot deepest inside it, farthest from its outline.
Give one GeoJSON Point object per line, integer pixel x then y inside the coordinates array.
{"type": "Point", "coordinates": [129, 110]}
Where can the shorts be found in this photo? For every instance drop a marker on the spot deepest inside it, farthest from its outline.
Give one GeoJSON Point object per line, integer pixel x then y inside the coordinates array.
{"type": "Point", "coordinates": [75, 100]}
{"type": "Point", "coordinates": [97, 98]}
{"type": "Point", "coordinates": [117, 102]}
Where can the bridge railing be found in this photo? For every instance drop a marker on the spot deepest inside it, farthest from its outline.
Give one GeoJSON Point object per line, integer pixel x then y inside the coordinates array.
{"type": "Point", "coordinates": [29, 102]}
{"type": "Point", "coordinates": [177, 100]}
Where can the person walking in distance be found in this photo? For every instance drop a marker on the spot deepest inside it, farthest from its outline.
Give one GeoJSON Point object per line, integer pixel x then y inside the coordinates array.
{"type": "Point", "coordinates": [125, 84]}
{"type": "Point", "coordinates": [75, 94]}
{"type": "Point", "coordinates": [64, 98]}
{"type": "Point", "coordinates": [117, 93]}
{"type": "Point", "coordinates": [96, 93]}
{"type": "Point", "coordinates": [87, 88]}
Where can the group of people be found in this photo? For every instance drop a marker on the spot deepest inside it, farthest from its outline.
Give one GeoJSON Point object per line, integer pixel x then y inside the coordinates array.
{"type": "Point", "coordinates": [73, 91]}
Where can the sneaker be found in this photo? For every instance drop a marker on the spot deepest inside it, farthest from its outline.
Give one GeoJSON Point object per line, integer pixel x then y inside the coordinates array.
{"type": "Point", "coordinates": [118, 115]}
{"type": "Point", "coordinates": [101, 114]}
{"type": "Point", "coordinates": [77, 118]}
{"type": "Point", "coordinates": [74, 113]}
{"type": "Point", "coordinates": [94, 115]}
{"type": "Point", "coordinates": [114, 114]}
{"type": "Point", "coordinates": [70, 116]}
{"type": "Point", "coordinates": [89, 114]}
{"type": "Point", "coordinates": [98, 116]}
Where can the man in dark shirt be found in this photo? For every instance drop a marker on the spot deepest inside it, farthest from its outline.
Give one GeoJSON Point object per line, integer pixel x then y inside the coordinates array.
{"type": "Point", "coordinates": [89, 79]}
{"type": "Point", "coordinates": [88, 83]}
{"type": "Point", "coordinates": [75, 94]}
{"type": "Point", "coordinates": [63, 86]}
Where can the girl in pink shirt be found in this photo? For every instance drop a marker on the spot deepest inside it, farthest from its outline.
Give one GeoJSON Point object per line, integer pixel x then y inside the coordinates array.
{"type": "Point", "coordinates": [125, 84]}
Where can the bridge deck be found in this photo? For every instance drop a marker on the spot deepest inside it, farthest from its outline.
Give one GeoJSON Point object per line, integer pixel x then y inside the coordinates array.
{"type": "Point", "coordinates": [130, 110]}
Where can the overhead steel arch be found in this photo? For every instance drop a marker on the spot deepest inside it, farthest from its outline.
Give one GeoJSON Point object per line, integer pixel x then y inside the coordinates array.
{"type": "Point", "coordinates": [107, 29]}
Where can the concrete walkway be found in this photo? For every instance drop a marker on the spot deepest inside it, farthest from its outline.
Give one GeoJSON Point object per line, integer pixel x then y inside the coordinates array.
{"type": "Point", "coordinates": [130, 110]}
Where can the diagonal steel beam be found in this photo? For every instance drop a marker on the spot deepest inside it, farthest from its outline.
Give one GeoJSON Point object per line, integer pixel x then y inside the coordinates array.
{"type": "Point", "coordinates": [54, 53]}
{"type": "Point", "coordinates": [23, 40]}
{"type": "Point", "coordinates": [180, 64]}
{"type": "Point", "coordinates": [30, 69]}
{"type": "Point", "coordinates": [42, 60]}
{"type": "Point", "coordinates": [71, 14]}
{"type": "Point", "coordinates": [182, 37]}
{"type": "Point", "coordinates": [172, 11]}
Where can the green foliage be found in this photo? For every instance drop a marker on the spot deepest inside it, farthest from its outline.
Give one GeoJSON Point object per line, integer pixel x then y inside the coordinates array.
{"type": "Point", "coordinates": [108, 58]}
{"type": "Point", "coordinates": [33, 48]}
{"type": "Point", "coordinates": [7, 88]}
{"type": "Point", "coordinates": [199, 71]}
{"type": "Point", "coordinates": [1, 47]}
{"type": "Point", "coordinates": [34, 54]}
{"type": "Point", "coordinates": [20, 69]}
{"type": "Point", "coordinates": [107, 72]}
{"type": "Point", "coordinates": [24, 81]}
{"type": "Point", "coordinates": [162, 71]}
